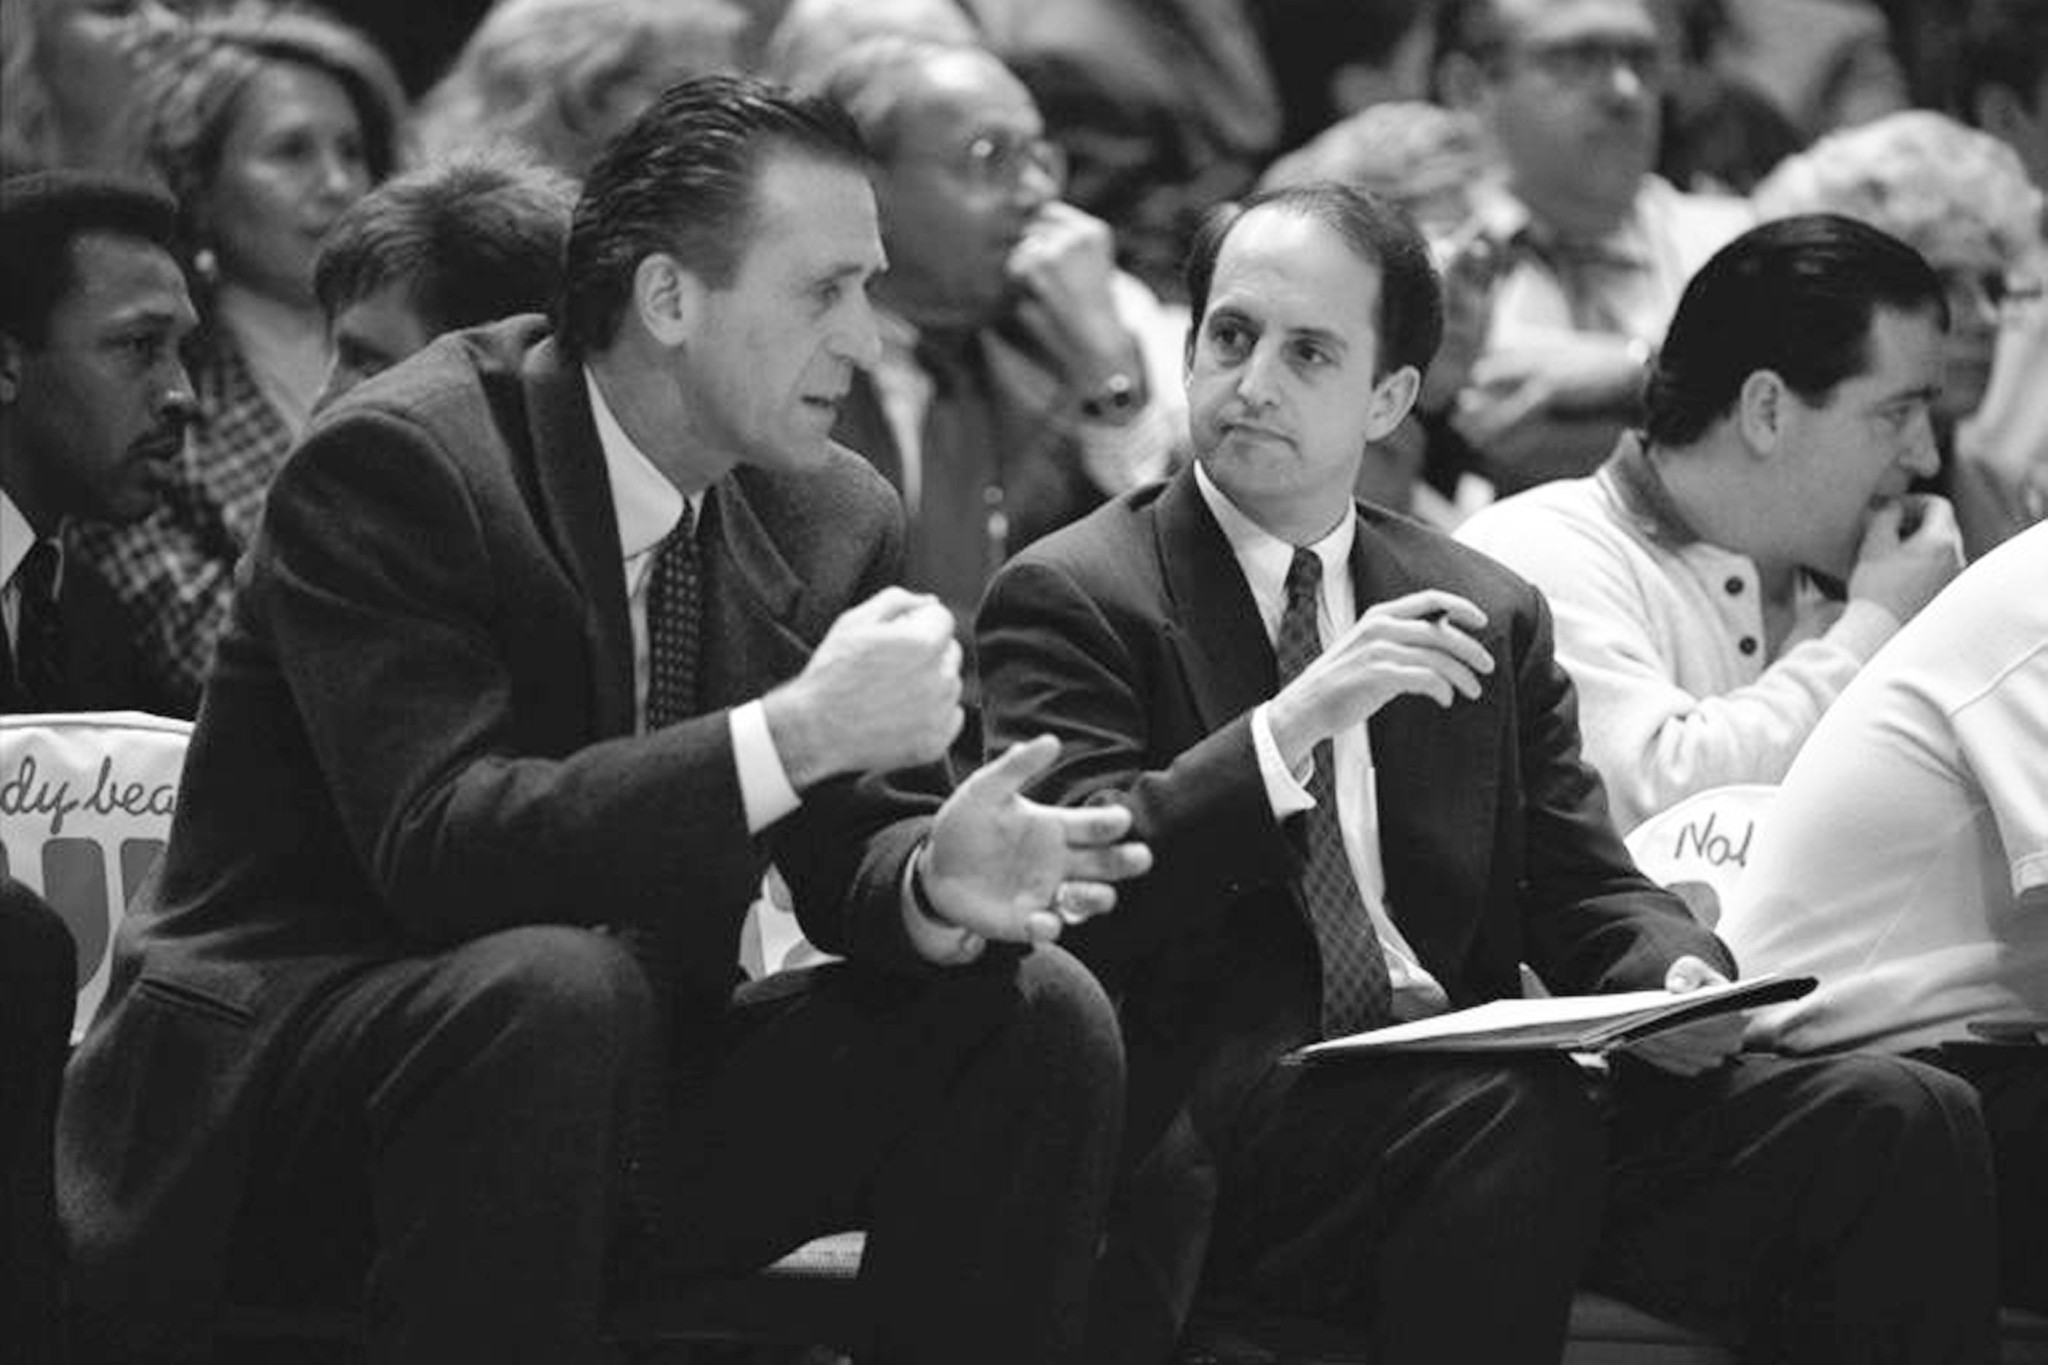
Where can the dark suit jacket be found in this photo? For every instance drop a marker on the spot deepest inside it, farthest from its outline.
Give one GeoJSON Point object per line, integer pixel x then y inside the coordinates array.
{"type": "Point", "coordinates": [1036, 417]}
{"type": "Point", "coordinates": [1133, 637]}
{"type": "Point", "coordinates": [102, 667]}
{"type": "Point", "coordinates": [419, 730]}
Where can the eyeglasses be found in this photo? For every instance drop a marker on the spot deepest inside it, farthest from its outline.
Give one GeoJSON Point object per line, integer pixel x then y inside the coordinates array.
{"type": "Point", "coordinates": [1992, 290]}
{"type": "Point", "coordinates": [1589, 61]}
{"type": "Point", "coordinates": [998, 161]}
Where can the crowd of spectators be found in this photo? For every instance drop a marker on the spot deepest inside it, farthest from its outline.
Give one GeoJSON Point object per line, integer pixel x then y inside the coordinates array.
{"type": "Point", "coordinates": [1743, 342]}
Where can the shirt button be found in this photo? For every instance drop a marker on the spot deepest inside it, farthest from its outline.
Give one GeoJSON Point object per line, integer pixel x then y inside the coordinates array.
{"type": "Point", "coordinates": [1734, 586]}
{"type": "Point", "coordinates": [1747, 644]}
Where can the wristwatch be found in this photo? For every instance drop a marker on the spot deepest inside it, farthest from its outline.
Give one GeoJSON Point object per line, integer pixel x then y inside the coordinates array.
{"type": "Point", "coordinates": [1116, 400]}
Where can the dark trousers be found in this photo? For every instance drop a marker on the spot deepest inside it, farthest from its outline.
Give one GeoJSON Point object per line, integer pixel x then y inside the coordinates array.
{"type": "Point", "coordinates": [1815, 1211]}
{"type": "Point", "coordinates": [38, 983]}
{"type": "Point", "coordinates": [474, 1105]}
{"type": "Point", "coordinates": [2012, 1086]}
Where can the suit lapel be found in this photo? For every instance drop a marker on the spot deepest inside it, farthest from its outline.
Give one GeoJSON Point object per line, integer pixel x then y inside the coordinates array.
{"type": "Point", "coordinates": [1210, 616]}
{"type": "Point", "coordinates": [575, 505]}
{"type": "Point", "coordinates": [759, 622]}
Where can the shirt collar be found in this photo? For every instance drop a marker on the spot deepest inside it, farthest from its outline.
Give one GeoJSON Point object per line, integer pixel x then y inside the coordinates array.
{"type": "Point", "coordinates": [16, 536]}
{"type": "Point", "coordinates": [1264, 558]}
{"type": "Point", "coordinates": [1502, 217]}
{"type": "Point", "coordinates": [1640, 490]}
{"type": "Point", "coordinates": [645, 503]}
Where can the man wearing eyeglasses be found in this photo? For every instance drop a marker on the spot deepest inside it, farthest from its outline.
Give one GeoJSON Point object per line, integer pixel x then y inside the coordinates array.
{"type": "Point", "coordinates": [1023, 378]}
{"type": "Point", "coordinates": [1588, 248]}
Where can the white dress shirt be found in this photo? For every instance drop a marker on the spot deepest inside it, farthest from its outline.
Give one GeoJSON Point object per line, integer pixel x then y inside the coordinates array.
{"type": "Point", "coordinates": [1264, 559]}
{"type": "Point", "coordinates": [648, 507]}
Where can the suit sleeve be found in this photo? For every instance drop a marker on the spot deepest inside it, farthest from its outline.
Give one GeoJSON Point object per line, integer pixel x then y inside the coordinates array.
{"type": "Point", "coordinates": [1593, 922]}
{"type": "Point", "coordinates": [376, 579]}
{"type": "Point", "coordinates": [1053, 661]}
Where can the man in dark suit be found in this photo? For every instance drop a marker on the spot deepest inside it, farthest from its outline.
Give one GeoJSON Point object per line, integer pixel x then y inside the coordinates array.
{"type": "Point", "coordinates": [94, 403]}
{"type": "Point", "coordinates": [545, 635]}
{"type": "Point", "coordinates": [1356, 761]}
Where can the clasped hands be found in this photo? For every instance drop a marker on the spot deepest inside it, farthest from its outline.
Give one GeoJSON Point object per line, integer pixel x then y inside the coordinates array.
{"type": "Point", "coordinates": [882, 692]}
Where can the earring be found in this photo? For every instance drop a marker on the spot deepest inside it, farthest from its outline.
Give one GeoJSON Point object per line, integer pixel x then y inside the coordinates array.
{"type": "Point", "coordinates": [206, 265]}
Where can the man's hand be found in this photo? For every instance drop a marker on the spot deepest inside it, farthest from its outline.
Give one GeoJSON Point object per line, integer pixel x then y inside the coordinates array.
{"type": "Point", "coordinates": [882, 691]}
{"type": "Point", "coordinates": [1061, 269]}
{"type": "Point", "coordinates": [1696, 1047]}
{"type": "Point", "coordinates": [1414, 644]}
{"type": "Point", "coordinates": [1902, 570]}
{"type": "Point", "coordinates": [1004, 867]}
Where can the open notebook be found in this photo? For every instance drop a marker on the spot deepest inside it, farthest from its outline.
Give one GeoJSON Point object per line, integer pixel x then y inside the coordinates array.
{"type": "Point", "coordinates": [1565, 1023]}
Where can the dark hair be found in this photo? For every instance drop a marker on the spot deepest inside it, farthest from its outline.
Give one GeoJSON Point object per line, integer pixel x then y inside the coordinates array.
{"type": "Point", "coordinates": [680, 179]}
{"type": "Point", "coordinates": [1411, 305]}
{"type": "Point", "coordinates": [470, 239]}
{"type": "Point", "coordinates": [1472, 28]}
{"type": "Point", "coordinates": [41, 214]}
{"type": "Point", "coordinates": [1794, 296]}
{"type": "Point", "coordinates": [2005, 42]}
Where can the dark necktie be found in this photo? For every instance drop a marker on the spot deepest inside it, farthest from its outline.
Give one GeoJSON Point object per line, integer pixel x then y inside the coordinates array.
{"type": "Point", "coordinates": [39, 634]}
{"type": "Point", "coordinates": [1588, 273]}
{"type": "Point", "coordinates": [959, 531]}
{"type": "Point", "coordinates": [1356, 993]}
{"type": "Point", "coordinates": [675, 616]}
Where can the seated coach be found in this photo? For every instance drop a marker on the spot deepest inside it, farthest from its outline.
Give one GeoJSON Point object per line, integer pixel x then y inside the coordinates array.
{"type": "Point", "coordinates": [548, 644]}
{"type": "Point", "coordinates": [1354, 756]}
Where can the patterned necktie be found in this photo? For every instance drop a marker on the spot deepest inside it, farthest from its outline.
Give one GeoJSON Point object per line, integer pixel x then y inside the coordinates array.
{"type": "Point", "coordinates": [959, 532]}
{"type": "Point", "coordinates": [1356, 993]}
{"type": "Point", "coordinates": [675, 617]}
{"type": "Point", "coordinates": [39, 634]}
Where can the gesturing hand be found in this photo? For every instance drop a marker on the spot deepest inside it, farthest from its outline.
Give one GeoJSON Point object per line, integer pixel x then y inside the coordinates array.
{"type": "Point", "coordinates": [1413, 644]}
{"type": "Point", "coordinates": [1005, 867]}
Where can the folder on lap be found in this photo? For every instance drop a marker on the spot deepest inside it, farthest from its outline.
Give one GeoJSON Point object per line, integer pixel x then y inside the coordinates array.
{"type": "Point", "coordinates": [1567, 1023]}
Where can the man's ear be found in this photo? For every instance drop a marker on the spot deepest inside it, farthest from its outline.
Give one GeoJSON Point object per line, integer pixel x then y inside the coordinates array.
{"type": "Point", "coordinates": [1761, 408]}
{"type": "Point", "coordinates": [1392, 398]}
{"type": "Point", "coordinates": [668, 299]}
{"type": "Point", "coordinates": [10, 370]}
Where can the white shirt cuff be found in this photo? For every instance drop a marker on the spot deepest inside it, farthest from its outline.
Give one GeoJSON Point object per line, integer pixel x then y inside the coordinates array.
{"type": "Point", "coordinates": [1284, 791]}
{"type": "Point", "coordinates": [765, 790]}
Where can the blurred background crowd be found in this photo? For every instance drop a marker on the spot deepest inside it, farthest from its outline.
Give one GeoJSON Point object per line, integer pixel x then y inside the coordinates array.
{"type": "Point", "coordinates": [1573, 163]}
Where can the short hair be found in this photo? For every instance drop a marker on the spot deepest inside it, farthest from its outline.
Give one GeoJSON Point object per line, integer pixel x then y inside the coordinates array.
{"type": "Point", "coordinates": [193, 88]}
{"type": "Point", "coordinates": [534, 71]}
{"type": "Point", "coordinates": [874, 79]}
{"type": "Point", "coordinates": [1794, 296]}
{"type": "Point", "coordinates": [1411, 306]}
{"type": "Point", "coordinates": [680, 179]}
{"type": "Point", "coordinates": [811, 34]}
{"type": "Point", "coordinates": [43, 213]}
{"type": "Point", "coordinates": [1921, 176]}
{"type": "Point", "coordinates": [468, 240]}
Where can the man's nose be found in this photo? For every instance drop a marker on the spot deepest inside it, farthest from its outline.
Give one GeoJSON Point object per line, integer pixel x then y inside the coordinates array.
{"type": "Point", "coordinates": [1923, 449]}
{"type": "Point", "coordinates": [177, 402]}
{"type": "Point", "coordinates": [860, 341]}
